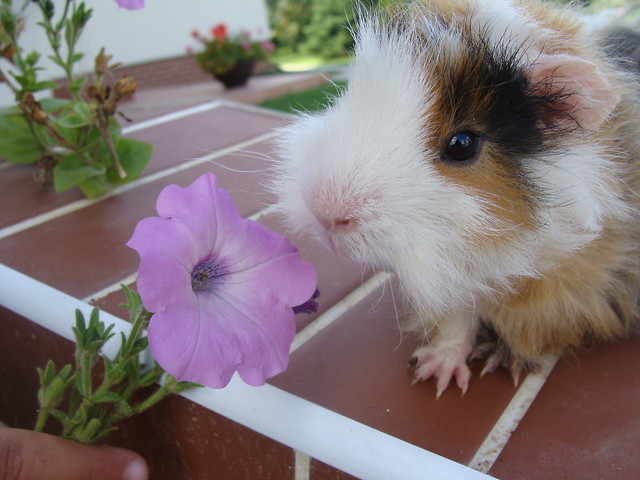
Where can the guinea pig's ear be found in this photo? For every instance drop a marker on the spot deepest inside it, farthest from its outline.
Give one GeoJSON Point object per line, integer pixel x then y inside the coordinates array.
{"type": "Point", "coordinates": [585, 95]}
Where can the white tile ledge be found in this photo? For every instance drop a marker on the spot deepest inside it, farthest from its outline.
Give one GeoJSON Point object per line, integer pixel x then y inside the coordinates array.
{"type": "Point", "coordinates": [286, 418]}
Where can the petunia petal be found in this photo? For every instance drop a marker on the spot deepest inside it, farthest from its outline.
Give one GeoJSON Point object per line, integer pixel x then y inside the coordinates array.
{"type": "Point", "coordinates": [162, 283]}
{"type": "Point", "coordinates": [206, 210]}
{"type": "Point", "coordinates": [169, 237]}
{"type": "Point", "coordinates": [288, 278]}
{"type": "Point", "coordinates": [130, 4]}
{"type": "Point", "coordinates": [167, 257]}
{"type": "Point", "coordinates": [193, 206]}
{"type": "Point", "coordinates": [216, 339]}
{"type": "Point", "coordinates": [266, 258]}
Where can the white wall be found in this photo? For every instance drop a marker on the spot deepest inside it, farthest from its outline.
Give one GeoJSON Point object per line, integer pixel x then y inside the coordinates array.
{"type": "Point", "coordinates": [160, 30]}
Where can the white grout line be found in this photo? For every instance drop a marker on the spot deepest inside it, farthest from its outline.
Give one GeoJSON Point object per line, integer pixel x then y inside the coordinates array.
{"type": "Point", "coordinates": [339, 309]}
{"type": "Point", "coordinates": [201, 108]}
{"type": "Point", "coordinates": [334, 439]}
{"type": "Point", "coordinates": [252, 108]}
{"type": "Point", "coordinates": [80, 204]}
{"type": "Point", "coordinates": [170, 117]}
{"type": "Point", "coordinates": [499, 435]}
{"type": "Point", "coordinates": [302, 466]}
{"type": "Point", "coordinates": [100, 294]}
{"type": "Point", "coordinates": [51, 214]}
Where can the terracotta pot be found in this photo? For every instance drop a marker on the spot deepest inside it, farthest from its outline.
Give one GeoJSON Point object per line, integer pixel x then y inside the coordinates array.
{"type": "Point", "coordinates": [238, 75]}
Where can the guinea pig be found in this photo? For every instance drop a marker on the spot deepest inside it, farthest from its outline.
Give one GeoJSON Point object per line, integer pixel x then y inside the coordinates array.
{"type": "Point", "coordinates": [486, 152]}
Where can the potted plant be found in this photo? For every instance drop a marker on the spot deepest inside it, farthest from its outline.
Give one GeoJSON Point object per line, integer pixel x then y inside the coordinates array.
{"type": "Point", "coordinates": [74, 142]}
{"type": "Point", "coordinates": [230, 58]}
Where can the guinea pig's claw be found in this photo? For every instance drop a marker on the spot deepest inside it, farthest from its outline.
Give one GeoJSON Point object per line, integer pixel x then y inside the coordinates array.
{"type": "Point", "coordinates": [491, 365]}
{"type": "Point", "coordinates": [443, 365]}
{"type": "Point", "coordinates": [519, 367]}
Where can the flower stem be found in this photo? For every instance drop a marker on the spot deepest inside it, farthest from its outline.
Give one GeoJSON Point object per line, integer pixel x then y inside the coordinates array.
{"type": "Point", "coordinates": [53, 34]}
{"type": "Point", "coordinates": [43, 414]}
{"type": "Point", "coordinates": [103, 126]}
{"type": "Point", "coordinates": [154, 398]}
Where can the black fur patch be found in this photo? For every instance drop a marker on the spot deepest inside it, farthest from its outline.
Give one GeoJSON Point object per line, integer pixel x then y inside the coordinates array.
{"type": "Point", "coordinates": [486, 90]}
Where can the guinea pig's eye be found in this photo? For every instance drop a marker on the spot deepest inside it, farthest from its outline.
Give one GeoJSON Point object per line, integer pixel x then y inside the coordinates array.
{"type": "Point", "coordinates": [461, 147]}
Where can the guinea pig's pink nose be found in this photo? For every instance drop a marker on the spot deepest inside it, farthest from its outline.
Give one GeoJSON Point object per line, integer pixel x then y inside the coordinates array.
{"type": "Point", "coordinates": [336, 224]}
{"type": "Point", "coordinates": [337, 213]}
{"type": "Point", "coordinates": [341, 222]}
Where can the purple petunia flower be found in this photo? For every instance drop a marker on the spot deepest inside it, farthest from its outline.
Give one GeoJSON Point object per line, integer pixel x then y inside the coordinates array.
{"type": "Point", "coordinates": [130, 4]}
{"type": "Point", "coordinates": [222, 288]}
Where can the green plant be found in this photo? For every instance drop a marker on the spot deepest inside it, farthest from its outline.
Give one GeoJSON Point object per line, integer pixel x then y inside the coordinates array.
{"type": "Point", "coordinates": [320, 27]}
{"type": "Point", "coordinates": [327, 33]}
{"type": "Point", "coordinates": [92, 411]}
{"type": "Point", "coordinates": [288, 19]}
{"type": "Point", "coordinates": [76, 141]}
{"type": "Point", "coordinates": [222, 51]}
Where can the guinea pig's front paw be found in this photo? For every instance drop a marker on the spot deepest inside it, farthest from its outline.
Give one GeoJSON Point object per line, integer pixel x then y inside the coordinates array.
{"type": "Point", "coordinates": [443, 363]}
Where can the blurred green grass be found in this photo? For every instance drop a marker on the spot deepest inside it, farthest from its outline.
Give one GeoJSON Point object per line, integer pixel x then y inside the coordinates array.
{"type": "Point", "coordinates": [310, 100]}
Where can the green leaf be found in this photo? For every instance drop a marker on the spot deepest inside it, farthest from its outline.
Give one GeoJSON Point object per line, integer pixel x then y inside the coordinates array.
{"type": "Point", "coordinates": [87, 434]}
{"type": "Point", "coordinates": [77, 115]}
{"type": "Point", "coordinates": [65, 371]}
{"type": "Point", "coordinates": [83, 109]}
{"type": "Point", "coordinates": [132, 298]}
{"type": "Point", "coordinates": [53, 105]}
{"type": "Point", "coordinates": [134, 155]}
{"type": "Point", "coordinates": [116, 375]}
{"type": "Point", "coordinates": [95, 186]}
{"type": "Point", "coordinates": [59, 415]}
{"type": "Point", "coordinates": [57, 61]}
{"type": "Point", "coordinates": [44, 85]}
{"type": "Point", "coordinates": [71, 135]}
{"type": "Point", "coordinates": [32, 58]}
{"type": "Point", "coordinates": [76, 57]}
{"type": "Point", "coordinates": [149, 378]}
{"type": "Point", "coordinates": [72, 120]}
{"type": "Point", "coordinates": [108, 397]}
{"type": "Point", "coordinates": [123, 409]}
{"type": "Point", "coordinates": [81, 324]}
{"type": "Point", "coordinates": [108, 366]}
{"type": "Point", "coordinates": [77, 84]}
{"type": "Point", "coordinates": [17, 144]}
{"type": "Point", "coordinates": [47, 374]}
{"type": "Point", "coordinates": [55, 392]}
{"type": "Point", "coordinates": [182, 386]}
{"type": "Point", "coordinates": [140, 344]}
{"type": "Point", "coordinates": [10, 111]}
{"type": "Point", "coordinates": [8, 22]}
{"type": "Point", "coordinates": [73, 171]}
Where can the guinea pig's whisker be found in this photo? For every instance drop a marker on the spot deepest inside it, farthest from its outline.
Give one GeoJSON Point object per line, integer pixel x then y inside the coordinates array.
{"type": "Point", "coordinates": [253, 154]}
{"type": "Point", "coordinates": [245, 154]}
{"type": "Point", "coordinates": [395, 311]}
{"type": "Point", "coordinates": [235, 170]}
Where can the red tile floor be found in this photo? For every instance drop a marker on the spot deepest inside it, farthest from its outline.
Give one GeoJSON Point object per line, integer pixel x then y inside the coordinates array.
{"type": "Point", "coordinates": [345, 408]}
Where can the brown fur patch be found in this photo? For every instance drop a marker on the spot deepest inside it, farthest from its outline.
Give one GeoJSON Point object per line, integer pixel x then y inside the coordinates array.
{"type": "Point", "coordinates": [583, 299]}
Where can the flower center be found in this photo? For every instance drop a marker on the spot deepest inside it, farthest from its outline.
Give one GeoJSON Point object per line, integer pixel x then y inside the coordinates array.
{"type": "Point", "coordinates": [205, 275]}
